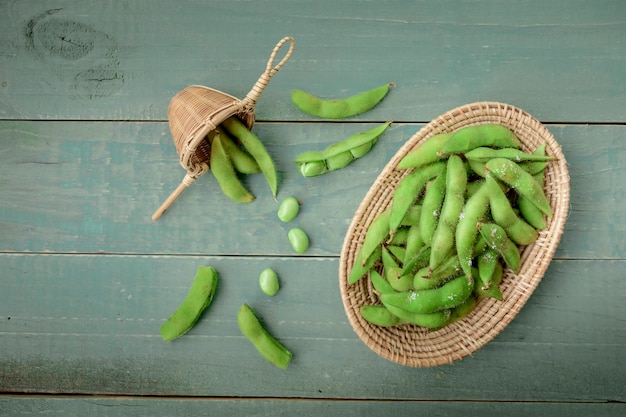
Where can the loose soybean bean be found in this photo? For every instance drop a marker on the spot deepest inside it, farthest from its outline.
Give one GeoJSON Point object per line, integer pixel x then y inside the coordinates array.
{"type": "Point", "coordinates": [270, 348]}
{"type": "Point", "coordinates": [197, 300]}
{"type": "Point", "coordinates": [299, 239]}
{"type": "Point", "coordinates": [268, 281]}
{"type": "Point", "coordinates": [339, 108]}
{"type": "Point", "coordinates": [288, 209]}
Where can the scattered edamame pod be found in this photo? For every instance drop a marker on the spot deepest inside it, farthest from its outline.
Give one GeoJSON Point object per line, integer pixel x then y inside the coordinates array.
{"type": "Point", "coordinates": [299, 239]}
{"type": "Point", "coordinates": [268, 281]}
{"type": "Point", "coordinates": [340, 154]}
{"type": "Point", "coordinates": [197, 300]}
{"type": "Point", "coordinates": [341, 107]}
{"type": "Point", "coordinates": [288, 209]}
{"type": "Point", "coordinates": [270, 348]}
{"type": "Point", "coordinates": [255, 147]}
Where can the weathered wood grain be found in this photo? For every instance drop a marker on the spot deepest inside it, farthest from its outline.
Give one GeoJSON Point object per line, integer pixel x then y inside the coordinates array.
{"type": "Point", "coordinates": [564, 61]}
{"type": "Point", "coordinates": [92, 187]}
{"type": "Point", "coordinates": [89, 324]}
{"type": "Point", "coordinates": [131, 407]}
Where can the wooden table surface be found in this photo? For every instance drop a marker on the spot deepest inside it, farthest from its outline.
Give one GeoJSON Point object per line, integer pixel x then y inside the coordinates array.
{"type": "Point", "coordinates": [86, 156]}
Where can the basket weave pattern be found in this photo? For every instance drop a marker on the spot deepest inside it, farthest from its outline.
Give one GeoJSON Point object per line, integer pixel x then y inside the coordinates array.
{"type": "Point", "coordinates": [412, 345]}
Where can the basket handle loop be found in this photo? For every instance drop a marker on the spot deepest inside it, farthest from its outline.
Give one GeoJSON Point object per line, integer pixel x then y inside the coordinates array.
{"type": "Point", "coordinates": [254, 94]}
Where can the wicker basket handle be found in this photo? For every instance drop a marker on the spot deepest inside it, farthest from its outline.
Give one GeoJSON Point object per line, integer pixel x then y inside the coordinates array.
{"type": "Point", "coordinates": [250, 100]}
{"type": "Point", "coordinates": [189, 179]}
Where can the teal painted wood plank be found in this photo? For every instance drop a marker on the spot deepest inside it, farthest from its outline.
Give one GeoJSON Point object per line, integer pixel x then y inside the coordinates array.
{"type": "Point", "coordinates": [92, 187]}
{"type": "Point", "coordinates": [89, 324]}
{"type": "Point", "coordinates": [562, 60]}
{"type": "Point", "coordinates": [131, 407]}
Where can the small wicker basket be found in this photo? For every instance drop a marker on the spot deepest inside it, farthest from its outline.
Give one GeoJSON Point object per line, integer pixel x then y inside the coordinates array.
{"type": "Point", "coordinates": [414, 346]}
{"type": "Point", "coordinates": [197, 110]}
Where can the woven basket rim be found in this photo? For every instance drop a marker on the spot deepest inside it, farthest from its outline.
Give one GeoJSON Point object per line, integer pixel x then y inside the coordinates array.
{"type": "Point", "coordinates": [411, 345]}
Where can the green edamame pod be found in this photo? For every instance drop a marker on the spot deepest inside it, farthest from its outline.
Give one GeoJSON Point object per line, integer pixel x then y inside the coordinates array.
{"type": "Point", "coordinates": [375, 235]}
{"type": "Point", "coordinates": [454, 200]}
{"type": "Point", "coordinates": [414, 244]}
{"type": "Point", "coordinates": [197, 300]}
{"type": "Point", "coordinates": [486, 265]}
{"type": "Point", "coordinates": [270, 348]}
{"type": "Point", "coordinates": [225, 174]}
{"type": "Point", "coordinates": [494, 289]}
{"type": "Point", "coordinates": [521, 181]}
{"type": "Point", "coordinates": [242, 161]}
{"type": "Point", "coordinates": [340, 154]}
{"type": "Point", "coordinates": [380, 316]}
{"type": "Point", "coordinates": [426, 153]}
{"type": "Point", "coordinates": [426, 279]}
{"type": "Point", "coordinates": [339, 108]}
{"type": "Point", "coordinates": [360, 269]}
{"type": "Point", "coordinates": [393, 273]}
{"type": "Point", "coordinates": [431, 207]}
{"type": "Point", "coordinates": [449, 295]}
{"type": "Point", "coordinates": [398, 252]}
{"type": "Point", "coordinates": [503, 214]}
{"type": "Point", "coordinates": [255, 147]}
{"type": "Point", "coordinates": [428, 320]}
{"type": "Point", "coordinates": [534, 168]}
{"type": "Point", "coordinates": [418, 261]}
{"type": "Point", "coordinates": [484, 154]}
{"type": "Point", "coordinates": [381, 285]}
{"type": "Point", "coordinates": [488, 135]}
{"type": "Point", "coordinates": [412, 216]}
{"type": "Point", "coordinates": [462, 310]}
{"type": "Point", "coordinates": [529, 211]}
{"type": "Point", "coordinates": [408, 190]}
{"type": "Point", "coordinates": [497, 239]}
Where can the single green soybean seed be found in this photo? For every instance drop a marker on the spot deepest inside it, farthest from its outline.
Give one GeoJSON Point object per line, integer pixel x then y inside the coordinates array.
{"type": "Point", "coordinates": [197, 300]}
{"type": "Point", "coordinates": [270, 348]}
{"type": "Point", "coordinates": [359, 151]}
{"type": "Point", "coordinates": [268, 281]}
{"type": "Point", "coordinates": [339, 160]}
{"type": "Point", "coordinates": [299, 240]}
{"type": "Point", "coordinates": [341, 107]}
{"type": "Point", "coordinates": [313, 168]}
{"type": "Point", "coordinates": [288, 209]}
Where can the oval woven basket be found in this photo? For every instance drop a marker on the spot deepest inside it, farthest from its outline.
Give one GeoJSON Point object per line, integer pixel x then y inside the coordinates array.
{"type": "Point", "coordinates": [415, 346]}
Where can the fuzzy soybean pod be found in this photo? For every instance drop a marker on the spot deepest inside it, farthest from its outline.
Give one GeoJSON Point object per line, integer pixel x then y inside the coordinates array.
{"type": "Point", "coordinates": [521, 181]}
{"type": "Point", "coordinates": [425, 153]}
{"type": "Point", "coordinates": [375, 235]}
{"type": "Point", "coordinates": [380, 316]}
{"type": "Point", "coordinates": [359, 269]}
{"type": "Point", "coordinates": [242, 161]}
{"type": "Point", "coordinates": [418, 261]}
{"type": "Point", "coordinates": [447, 296]}
{"type": "Point", "coordinates": [494, 289]}
{"type": "Point", "coordinates": [255, 147]}
{"type": "Point", "coordinates": [414, 243]}
{"type": "Point", "coordinates": [433, 320]}
{"type": "Point", "coordinates": [425, 278]}
{"type": "Point", "coordinates": [497, 239]}
{"type": "Point", "coordinates": [530, 212]}
{"type": "Point", "coordinates": [270, 348]}
{"type": "Point", "coordinates": [487, 135]}
{"type": "Point", "coordinates": [393, 273]}
{"type": "Point", "coordinates": [484, 154]}
{"type": "Point", "coordinates": [503, 214]}
{"type": "Point", "coordinates": [197, 300]}
{"type": "Point", "coordinates": [486, 266]}
{"type": "Point", "coordinates": [408, 189]}
{"type": "Point", "coordinates": [340, 154]}
{"type": "Point", "coordinates": [339, 108]}
{"type": "Point", "coordinates": [431, 207]}
{"type": "Point", "coordinates": [380, 284]}
{"type": "Point", "coordinates": [466, 234]}
{"type": "Point", "coordinates": [454, 200]}
{"type": "Point", "coordinates": [225, 173]}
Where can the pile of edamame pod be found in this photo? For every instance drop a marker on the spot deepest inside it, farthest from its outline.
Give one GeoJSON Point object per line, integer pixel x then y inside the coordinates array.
{"type": "Point", "coordinates": [468, 204]}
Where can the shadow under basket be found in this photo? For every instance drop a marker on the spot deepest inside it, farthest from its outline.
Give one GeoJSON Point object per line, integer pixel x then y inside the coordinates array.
{"type": "Point", "coordinates": [416, 346]}
{"type": "Point", "coordinates": [198, 110]}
